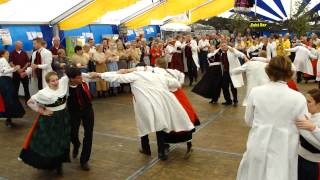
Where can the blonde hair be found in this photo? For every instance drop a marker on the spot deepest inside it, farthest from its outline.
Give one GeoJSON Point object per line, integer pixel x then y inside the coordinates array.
{"type": "Point", "coordinates": [60, 51]}
{"type": "Point", "coordinates": [279, 69]}
{"type": "Point", "coordinates": [263, 53]}
{"type": "Point", "coordinates": [161, 63]}
{"type": "Point", "coordinates": [49, 74]}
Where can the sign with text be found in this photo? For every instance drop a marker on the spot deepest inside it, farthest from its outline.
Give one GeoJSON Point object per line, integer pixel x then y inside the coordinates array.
{"type": "Point", "coordinates": [5, 36]}
{"type": "Point", "coordinates": [258, 24]}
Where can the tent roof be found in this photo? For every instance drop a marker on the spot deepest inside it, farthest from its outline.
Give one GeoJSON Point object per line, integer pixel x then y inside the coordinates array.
{"type": "Point", "coordinates": [92, 12]}
{"type": "Point", "coordinates": [135, 13]}
{"type": "Point", "coordinates": [277, 10]}
{"type": "Point", "coordinates": [33, 11]}
{"type": "Point", "coordinates": [115, 17]}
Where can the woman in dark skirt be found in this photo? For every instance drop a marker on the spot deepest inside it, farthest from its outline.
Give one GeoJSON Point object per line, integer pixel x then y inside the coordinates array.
{"type": "Point", "coordinates": [12, 105]}
{"type": "Point", "coordinates": [210, 84]}
{"type": "Point", "coordinates": [47, 143]}
{"type": "Point", "coordinates": [309, 149]}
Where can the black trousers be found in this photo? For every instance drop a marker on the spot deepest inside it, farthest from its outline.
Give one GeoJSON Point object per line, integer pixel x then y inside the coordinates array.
{"type": "Point", "coordinates": [87, 118]}
{"type": "Point", "coordinates": [192, 70]}
{"type": "Point", "coordinates": [25, 82]}
{"type": "Point", "coordinates": [226, 83]}
{"type": "Point", "coordinates": [204, 65]}
{"type": "Point", "coordinates": [160, 142]}
{"type": "Point", "coordinates": [307, 170]}
{"type": "Point", "coordinates": [299, 76]}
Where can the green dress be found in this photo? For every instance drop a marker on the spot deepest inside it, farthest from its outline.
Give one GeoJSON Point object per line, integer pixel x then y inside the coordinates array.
{"type": "Point", "coordinates": [47, 145]}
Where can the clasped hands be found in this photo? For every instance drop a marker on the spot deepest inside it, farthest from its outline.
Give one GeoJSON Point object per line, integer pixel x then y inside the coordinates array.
{"type": "Point", "coordinates": [306, 124]}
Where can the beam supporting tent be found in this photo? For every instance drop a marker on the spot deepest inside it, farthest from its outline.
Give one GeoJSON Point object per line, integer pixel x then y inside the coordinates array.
{"type": "Point", "coordinates": [176, 27]}
{"type": "Point", "coordinates": [69, 12]}
{"type": "Point", "coordinates": [210, 9]}
{"type": "Point", "coordinates": [169, 8]}
{"type": "Point", "coordinates": [92, 12]}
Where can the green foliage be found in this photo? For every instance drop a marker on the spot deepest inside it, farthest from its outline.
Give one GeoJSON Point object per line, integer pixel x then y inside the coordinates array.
{"type": "Point", "coordinates": [299, 22]}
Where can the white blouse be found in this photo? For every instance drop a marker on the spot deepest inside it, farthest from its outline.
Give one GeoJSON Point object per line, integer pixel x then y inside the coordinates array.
{"type": "Point", "coordinates": [48, 96]}
{"type": "Point", "coordinates": [5, 68]}
{"type": "Point", "coordinates": [313, 138]}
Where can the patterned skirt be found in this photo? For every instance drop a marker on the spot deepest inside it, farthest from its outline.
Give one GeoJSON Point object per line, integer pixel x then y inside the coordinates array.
{"type": "Point", "coordinates": [47, 144]}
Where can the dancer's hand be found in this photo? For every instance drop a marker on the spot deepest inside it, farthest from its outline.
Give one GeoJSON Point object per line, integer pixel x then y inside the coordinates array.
{"type": "Point", "coordinates": [93, 75]}
{"type": "Point", "coordinates": [45, 112]}
{"type": "Point", "coordinates": [306, 124]}
{"type": "Point", "coordinates": [122, 71]}
{"type": "Point", "coordinates": [34, 66]}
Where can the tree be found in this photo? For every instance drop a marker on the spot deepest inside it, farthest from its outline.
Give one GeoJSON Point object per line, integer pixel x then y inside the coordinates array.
{"type": "Point", "coordinates": [299, 22]}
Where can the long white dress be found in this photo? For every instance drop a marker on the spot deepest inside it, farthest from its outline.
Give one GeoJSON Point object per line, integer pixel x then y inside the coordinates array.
{"type": "Point", "coordinates": [272, 145]}
{"type": "Point", "coordinates": [256, 75]}
{"type": "Point", "coordinates": [170, 73]}
{"type": "Point", "coordinates": [316, 52]}
{"type": "Point", "coordinates": [156, 108]}
{"type": "Point", "coordinates": [45, 66]}
{"type": "Point", "coordinates": [302, 60]}
{"type": "Point", "coordinates": [233, 59]}
{"type": "Point", "coordinates": [195, 51]}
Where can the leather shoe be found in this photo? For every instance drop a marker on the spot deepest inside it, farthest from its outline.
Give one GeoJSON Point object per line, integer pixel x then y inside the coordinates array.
{"type": "Point", "coordinates": [145, 152]}
{"type": "Point", "coordinates": [162, 156]}
{"type": "Point", "coordinates": [85, 167]}
{"type": "Point", "coordinates": [227, 103]}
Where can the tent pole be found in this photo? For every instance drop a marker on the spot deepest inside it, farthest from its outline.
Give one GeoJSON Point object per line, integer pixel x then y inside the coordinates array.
{"type": "Point", "coordinates": [290, 9]}
{"type": "Point", "coordinates": [55, 30]}
{"type": "Point", "coordinates": [255, 8]}
{"type": "Point", "coordinates": [70, 11]}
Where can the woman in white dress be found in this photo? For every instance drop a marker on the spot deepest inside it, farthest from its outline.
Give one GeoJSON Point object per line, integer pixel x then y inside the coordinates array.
{"type": "Point", "coordinates": [271, 112]}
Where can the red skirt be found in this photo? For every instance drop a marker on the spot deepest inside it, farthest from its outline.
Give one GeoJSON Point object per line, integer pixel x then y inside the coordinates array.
{"type": "Point", "coordinates": [182, 98]}
{"type": "Point", "coordinates": [177, 62]}
{"type": "Point", "coordinates": [292, 85]}
{"type": "Point", "coordinates": [2, 109]}
{"type": "Point", "coordinates": [29, 135]}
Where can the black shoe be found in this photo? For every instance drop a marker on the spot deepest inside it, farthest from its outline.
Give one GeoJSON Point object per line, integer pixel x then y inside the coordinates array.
{"type": "Point", "coordinates": [162, 156]}
{"type": "Point", "coordinates": [85, 167]}
{"type": "Point", "coordinates": [59, 170]}
{"type": "Point", "coordinates": [9, 123]}
{"type": "Point", "coordinates": [235, 103]}
{"type": "Point", "coordinates": [75, 151]}
{"type": "Point", "coordinates": [213, 102]}
{"type": "Point", "coordinates": [227, 103]}
{"type": "Point", "coordinates": [190, 84]}
{"type": "Point", "coordinates": [145, 152]}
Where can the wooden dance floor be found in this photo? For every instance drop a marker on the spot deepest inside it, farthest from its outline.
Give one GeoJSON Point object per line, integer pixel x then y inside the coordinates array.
{"type": "Point", "coordinates": [218, 145]}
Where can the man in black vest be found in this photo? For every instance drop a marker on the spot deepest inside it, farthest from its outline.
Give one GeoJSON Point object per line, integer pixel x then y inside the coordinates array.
{"type": "Point", "coordinates": [80, 108]}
